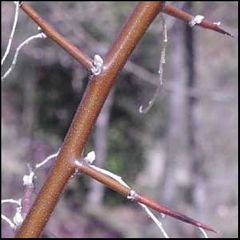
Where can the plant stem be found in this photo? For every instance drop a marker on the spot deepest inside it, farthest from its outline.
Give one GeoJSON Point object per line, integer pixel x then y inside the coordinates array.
{"type": "Point", "coordinates": [125, 191]}
{"type": "Point", "coordinates": [180, 14]}
{"type": "Point", "coordinates": [57, 37]}
{"type": "Point", "coordinates": [95, 95]}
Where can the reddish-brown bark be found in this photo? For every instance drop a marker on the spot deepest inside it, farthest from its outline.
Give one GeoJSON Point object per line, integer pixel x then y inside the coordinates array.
{"type": "Point", "coordinates": [57, 37]}
{"type": "Point", "coordinates": [86, 115]}
{"type": "Point", "coordinates": [180, 14]}
{"type": "Point", "coordinates": [95, 95]}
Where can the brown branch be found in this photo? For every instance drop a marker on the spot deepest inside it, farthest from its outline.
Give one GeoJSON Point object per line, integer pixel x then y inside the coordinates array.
{"type": "Point", "coordinates": [178, 13]}
{"type": "Point", "coordinates": [125, 191]}
{"type": "Point", "coordinates": [56, 37]}
{"type": "Point", "coordinates": [86, 115]}
{"type": "Point", "coordinates": [90, 106]}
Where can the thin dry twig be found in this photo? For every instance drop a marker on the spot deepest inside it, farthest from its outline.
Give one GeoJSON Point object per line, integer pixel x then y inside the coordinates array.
{"type": "Point", "coordinates": [50, 157]}
{"type": "Point", "coordinates": [160, 69]}
{"type": "Point", "coordinates": [158, 223]}
{"type": "Point", "coordinates": [10, 201]}
{"type": "Point", "coordinates": [11, 224]}
{"type": "Point", "coordinates": [12, 32]}
{"type": "Point", "coordinates": [27, 41]}
{"type": "Point", "coordinates": [17, 219]}
{"type": "Point", "coordinates": [203, 232]}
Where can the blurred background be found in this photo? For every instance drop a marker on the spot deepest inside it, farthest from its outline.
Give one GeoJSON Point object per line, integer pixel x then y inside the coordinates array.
{"type": "Point", "coordinates": [182, 152]}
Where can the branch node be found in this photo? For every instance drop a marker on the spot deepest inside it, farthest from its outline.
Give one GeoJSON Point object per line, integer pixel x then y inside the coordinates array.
{"type": "Point", "coordinates": [97, 65]}
{"type": "Point", "coordinates": [18, 219]}
{"type": "Point", "coordinates": [132, 195]}
{"type": "Point", "coordinates": [28, 179]}
{"type": "Point", "coordinates": [90, 158]}
{"type": "Point", "coordinates": [196, 20]}
{"type": "Point", "coordinates": [78, 163]}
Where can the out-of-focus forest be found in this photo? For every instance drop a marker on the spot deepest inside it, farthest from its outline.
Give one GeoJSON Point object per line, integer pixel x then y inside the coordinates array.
{"type": "Point", "coordinates": [183, 152]}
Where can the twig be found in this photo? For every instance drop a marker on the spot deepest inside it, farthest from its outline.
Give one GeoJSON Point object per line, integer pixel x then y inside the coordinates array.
{"type": "Point", "coordinates": [126, 191]}
{"type": "Point", "coordinates": [25, 203]}
{"type": "Point", "coordinates": [96, 93]}
{"type": "Point", "coordinates": [203, 232]}
{"type": "Point", "coordinates": [160, 69]}
{"type": "Point", "coordinates": [27, 41]}
{"type": "Point", "coordinates": [94, 97]}
{"type": "Point", "coordinates": [158, 223]}
{"type": "Point", "coordinates": [12, 32]}
{"type": "Point", "coordinates": [17, 219]}
{"type": "Point", "coordinates": [11, 224]}
{"type": "Point", "coordinates": [180, 14]}
{"type": "Point", "coordinates": [89, 159]}
{"type": "Point", "coordinates": [38, 165]}
{"type": "Point", "coordinates": [18, 202]}
{"type": "Point", "coordinates": [57, 37]}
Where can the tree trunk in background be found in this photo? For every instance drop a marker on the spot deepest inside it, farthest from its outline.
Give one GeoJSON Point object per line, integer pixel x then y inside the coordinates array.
{"type": "Point", "coordinates": [29, 87]}
{"type": "Point", "coordinates": [96, 192]}
{"type": "Point", "coordinates": [197, 187]}
{"type": "Point", "coordinates": [175, 139]}
{"type": "Point", "coordinates": [28, 113]}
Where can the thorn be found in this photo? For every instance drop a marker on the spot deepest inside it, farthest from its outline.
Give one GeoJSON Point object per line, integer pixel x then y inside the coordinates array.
{"type": "Point", "coordinates": [214, 27]}
{"type": "Point", "coordinates": [180, 14]}
{"type": "Point", "coordinates": [151, 203]}
{"type": "Point", "coordinates": [220, 30]}
{"type": "Point", "coordinates": [187, 219]}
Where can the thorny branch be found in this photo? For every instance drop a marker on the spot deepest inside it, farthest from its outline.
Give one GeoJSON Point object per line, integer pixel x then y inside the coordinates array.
{"type": "Point", "coordinates": [125, 191]}
{"type": "Point", "coordinates": [178, 13]}
{"type": "Point", "coordinates": [95, 95]}
{"type": "Point", "coordinates": [89, 108]}
{"type": "Point", "coordinates": [81, 57]}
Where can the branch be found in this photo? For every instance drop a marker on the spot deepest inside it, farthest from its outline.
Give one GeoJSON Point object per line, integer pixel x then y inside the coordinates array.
{"type": "Point", "coordinates": [178, 13]}
{"type": "Point", "coordinates": [126, 191]}
{"type": "Point", "coordinates": [27, 41]}
{"type": "Point", "coordinates": [10, 223]}
{"type": "Point", "coordinates": [94, 97]}
{"type": "Point", "coordinates": [81, 57]}
{"type": "Point", "coordinates": [12, 33]}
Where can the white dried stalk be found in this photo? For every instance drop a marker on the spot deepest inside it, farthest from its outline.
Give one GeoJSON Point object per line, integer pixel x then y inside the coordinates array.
{"type": "Point", "coordinates": [38, 165]}
{"type": "Point", "coordinates": [12, 33]}
{"type": "Point", "coordinates": [151, 215]}
{"type": "Point", "coordinates": [18, 202]}
{"type": "Point", "coordinates": [203, 232]}
{"type": "Point", "coordinates": [18, 218]}
{"type": "Point", "coordinates": [27, 181]}
{"type": "Point", "coordinates": [160, 69]}
{"type": "Point", "coordinates": [39, 35]}
{"type": "Point", "coordinates": [11, 224]}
